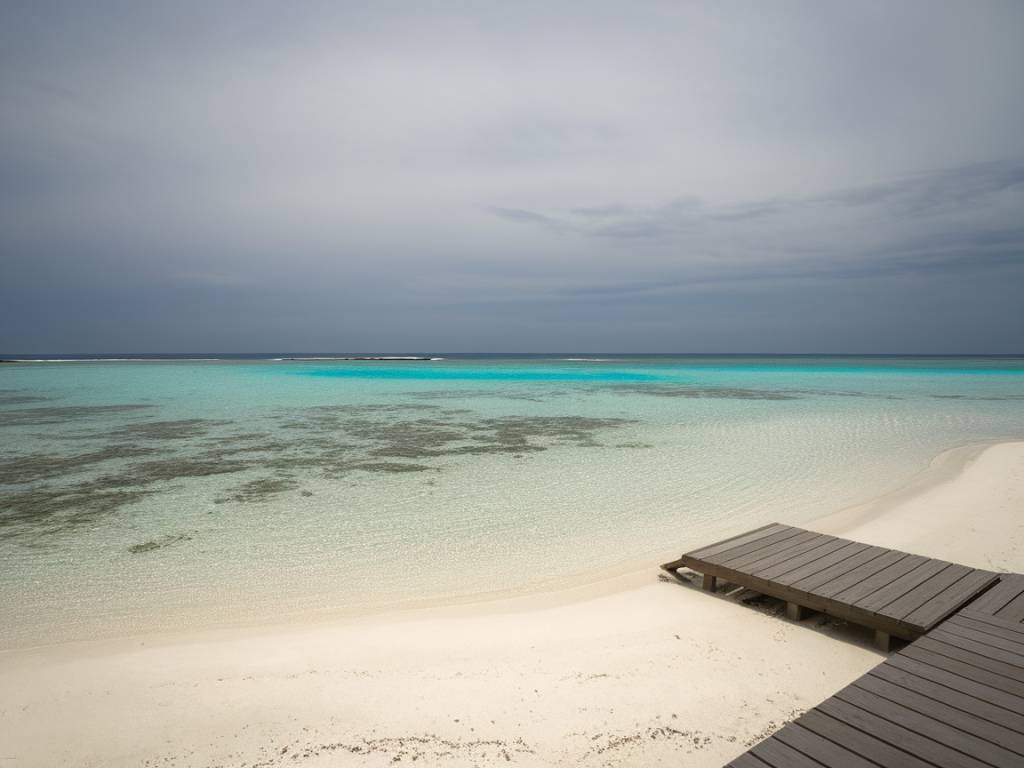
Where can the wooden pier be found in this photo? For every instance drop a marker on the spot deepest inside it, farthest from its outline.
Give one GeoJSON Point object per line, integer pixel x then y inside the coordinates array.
{"type": "Point", "coordinates": [952, 698]}
{"type": "Point", "coordinates": [895, 593]}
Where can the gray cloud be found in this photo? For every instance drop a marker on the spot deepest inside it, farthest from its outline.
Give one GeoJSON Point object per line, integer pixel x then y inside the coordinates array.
{"type": "Point", "coordinates": [520, 215]}
{"type": "Point", "coordinates": [345, 176]}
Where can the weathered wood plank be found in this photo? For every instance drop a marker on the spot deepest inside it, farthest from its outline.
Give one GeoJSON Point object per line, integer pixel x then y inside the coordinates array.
{"type": "Point", "coordinates": [1008, 588]}
{"type": "Point", "coordinates": [1008, 740]}
{"type": "Point", "coordinates": [860, 560]}
{"type": "Point", "coordinates": [948, 601]}
{"type": "Point", "coordinates": [1011, 658]}
{"type": "Point", "coordinates": [895, 734]}
{"type": "Point", "coordinates": [739, 538]}
{"type": "Point", "coordinates": [859, 575]}
{"type": "Point", "coordinates": [993, 679]}
{"type": "Point", "coordinates": [956, 678]}
{"type": "Point", "coordinates": [980, 704]}
{"type": "Point", "coordinates": [879, 598]}
{"type": "Point", "coordinates": [977, 751]}
{"type": "Point", "coordinates": [808, 558]}
{"type": "Point", "coordinates": [778, 754]}
{"type": "Point", "coordinates": [746, 760]}
{"type": "Point", "coordinates": [985, 624]}
{"type": "Point", "coordinates": [756, 548]}
{"type": "Point", "coordinates": [1013, 610]}
{"type": "Point", "coordinates": [928, 590]}
{"type": "Point", "coordinates": [767, 538]}
{"type": "Point", "coordinates": [981, 636]}
{"type": "Point", "coordinates": [812, 543]}
{"type": "Point", "coordinates": [867, 744]}
{"type": "Point", "coordinates": [869, 586]}
{"type": "Point", "coordinates": [805, 735]}
{"type": "Point", "coordinates": [988, 618]}
{"type": "Point", "coordinates": [744, 561]}
{"type": "Point", "coordinates": [847, 551]}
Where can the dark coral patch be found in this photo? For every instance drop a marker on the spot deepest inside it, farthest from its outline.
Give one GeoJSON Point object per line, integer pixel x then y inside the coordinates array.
{"type": "Point", "coordinates": [61, 414]}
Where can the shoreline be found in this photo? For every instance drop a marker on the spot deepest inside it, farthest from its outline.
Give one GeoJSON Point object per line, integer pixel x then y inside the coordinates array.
{"type": "Point", "coordinates": [633, 669]}
{"type": "Point", "coordinates": [551, 593]}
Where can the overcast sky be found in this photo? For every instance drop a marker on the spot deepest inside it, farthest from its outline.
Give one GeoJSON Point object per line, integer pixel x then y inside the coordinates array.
{"type": "Point", "coordinates": [512, 176]}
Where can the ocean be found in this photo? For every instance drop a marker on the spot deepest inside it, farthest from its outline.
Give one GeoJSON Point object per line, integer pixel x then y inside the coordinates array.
{"type": "Point", "coordinates": [159, 494]}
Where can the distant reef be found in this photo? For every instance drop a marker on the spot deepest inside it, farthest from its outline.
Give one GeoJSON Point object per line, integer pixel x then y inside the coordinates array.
{"type": "Point", "coordinates": [381, 357]}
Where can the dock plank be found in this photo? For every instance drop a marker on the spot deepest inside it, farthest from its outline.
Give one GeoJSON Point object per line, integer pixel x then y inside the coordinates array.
{"type": "Point", "coordinates": [946, 602]}
{"type": "Point", "coordinates": [741, 547]}
{"type": "Point", "coordinates": [806, 736]}
{"type": "Point", "coordinates": [737, 540]}
{"type": "Point", "coordinates": [841, 583]}
{"type": "Point", "coordinates": [807, 559]}
{"type": "Point", "coordinates": [868, 749]}
{"type": "Point", "coordinates": [799, 548]}
{"type": "Point", "coordinates": [1013, 610]}
{"type": "Point", "coordinates": [930, 731]}
{"type": "Point", "coordinates": [1012, 657]}
{"type": "Point", "coordinates": [958, 677]}
{"type": "Point", "coordinates": [864, 589]}
{"type": "Point", "coordinates": [931, 588]}
{"type": "Point", "coordinates": [862, 559]}
{"type": "Point", "coordinates": [755, 548]}
{"type": "Point", "coordinates": [746, 760]}
{"type": "Point", "coordinates": [943, 714]}
{"type": "Point", "coordinates": [897, 589]}
{"type": "Point", "coordinates": [836, 557]}
{"type": "Point", "coordinates": [896, 735]}
{"type": "Point", "coordinates": [985, 702]}
{"type": "Point", "coordinates": [980, 635]}
{"type": "Point", "coordinates": [840, 744]}
{"type": "Point", "coordinates": [776, 548]}
{"type": "Point", "coordinates": [1009, 587]}
{"type": "Point", "coordinates": [779, 754]}
{"type": "Point", "coordinates": [990, 678]}
{"type": "Point", "coordinates": [986, 625]}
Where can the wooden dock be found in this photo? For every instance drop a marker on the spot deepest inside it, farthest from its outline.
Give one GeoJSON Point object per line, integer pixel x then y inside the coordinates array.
{"type": "Point", "coordinates": [895, 593]}
{"type": "Point", "coordinates": [951, 699]}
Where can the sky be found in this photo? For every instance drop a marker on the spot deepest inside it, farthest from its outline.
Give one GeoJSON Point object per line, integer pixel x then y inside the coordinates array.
{"type": "Point", "coordinates": [839, 177]}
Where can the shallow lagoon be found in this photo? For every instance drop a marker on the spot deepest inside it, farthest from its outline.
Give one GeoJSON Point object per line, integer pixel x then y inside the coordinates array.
{"type": "Point", "coordinates": [149, 495]}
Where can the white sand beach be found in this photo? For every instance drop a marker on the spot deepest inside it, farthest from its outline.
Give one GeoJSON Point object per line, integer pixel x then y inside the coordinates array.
{"type": "Point", "coordinates": [635, 670]}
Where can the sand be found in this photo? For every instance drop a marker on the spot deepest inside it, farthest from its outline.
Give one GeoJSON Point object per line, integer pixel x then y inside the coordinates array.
{"type": "Point", "coordinates": [634, 670]}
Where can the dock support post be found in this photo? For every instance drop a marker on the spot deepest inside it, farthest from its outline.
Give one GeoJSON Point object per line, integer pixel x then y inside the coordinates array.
{"type": "Point", "coordinates": [882, 641]}
{"type": "Point", "coordinates": [795, 612]}
{"type": "Point", "coordinates": [709, 582]}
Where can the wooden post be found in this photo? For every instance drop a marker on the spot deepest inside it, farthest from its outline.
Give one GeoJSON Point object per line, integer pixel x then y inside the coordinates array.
{"type": "Point", "coordinates": [795, 612]}
{"type": "Point", "coordinates": [882, 641]}
{"type": "Point", "coordinates": [709, 582]}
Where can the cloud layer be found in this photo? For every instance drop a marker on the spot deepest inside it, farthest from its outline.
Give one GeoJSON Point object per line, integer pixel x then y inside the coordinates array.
{"type": "Point", "coordinates": [520, 177]}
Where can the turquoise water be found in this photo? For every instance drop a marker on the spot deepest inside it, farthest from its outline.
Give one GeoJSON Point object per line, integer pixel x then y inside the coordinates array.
{"type": "Point", "coordinates": [153, 495]}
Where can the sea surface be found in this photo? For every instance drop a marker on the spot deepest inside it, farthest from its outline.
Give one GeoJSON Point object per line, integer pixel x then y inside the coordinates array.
{"type": "Point", "coordinates": [169, 494]}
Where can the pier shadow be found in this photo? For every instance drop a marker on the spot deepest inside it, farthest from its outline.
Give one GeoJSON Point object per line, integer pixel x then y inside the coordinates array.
{"type": "Point", "coordinates": [748, 599]}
